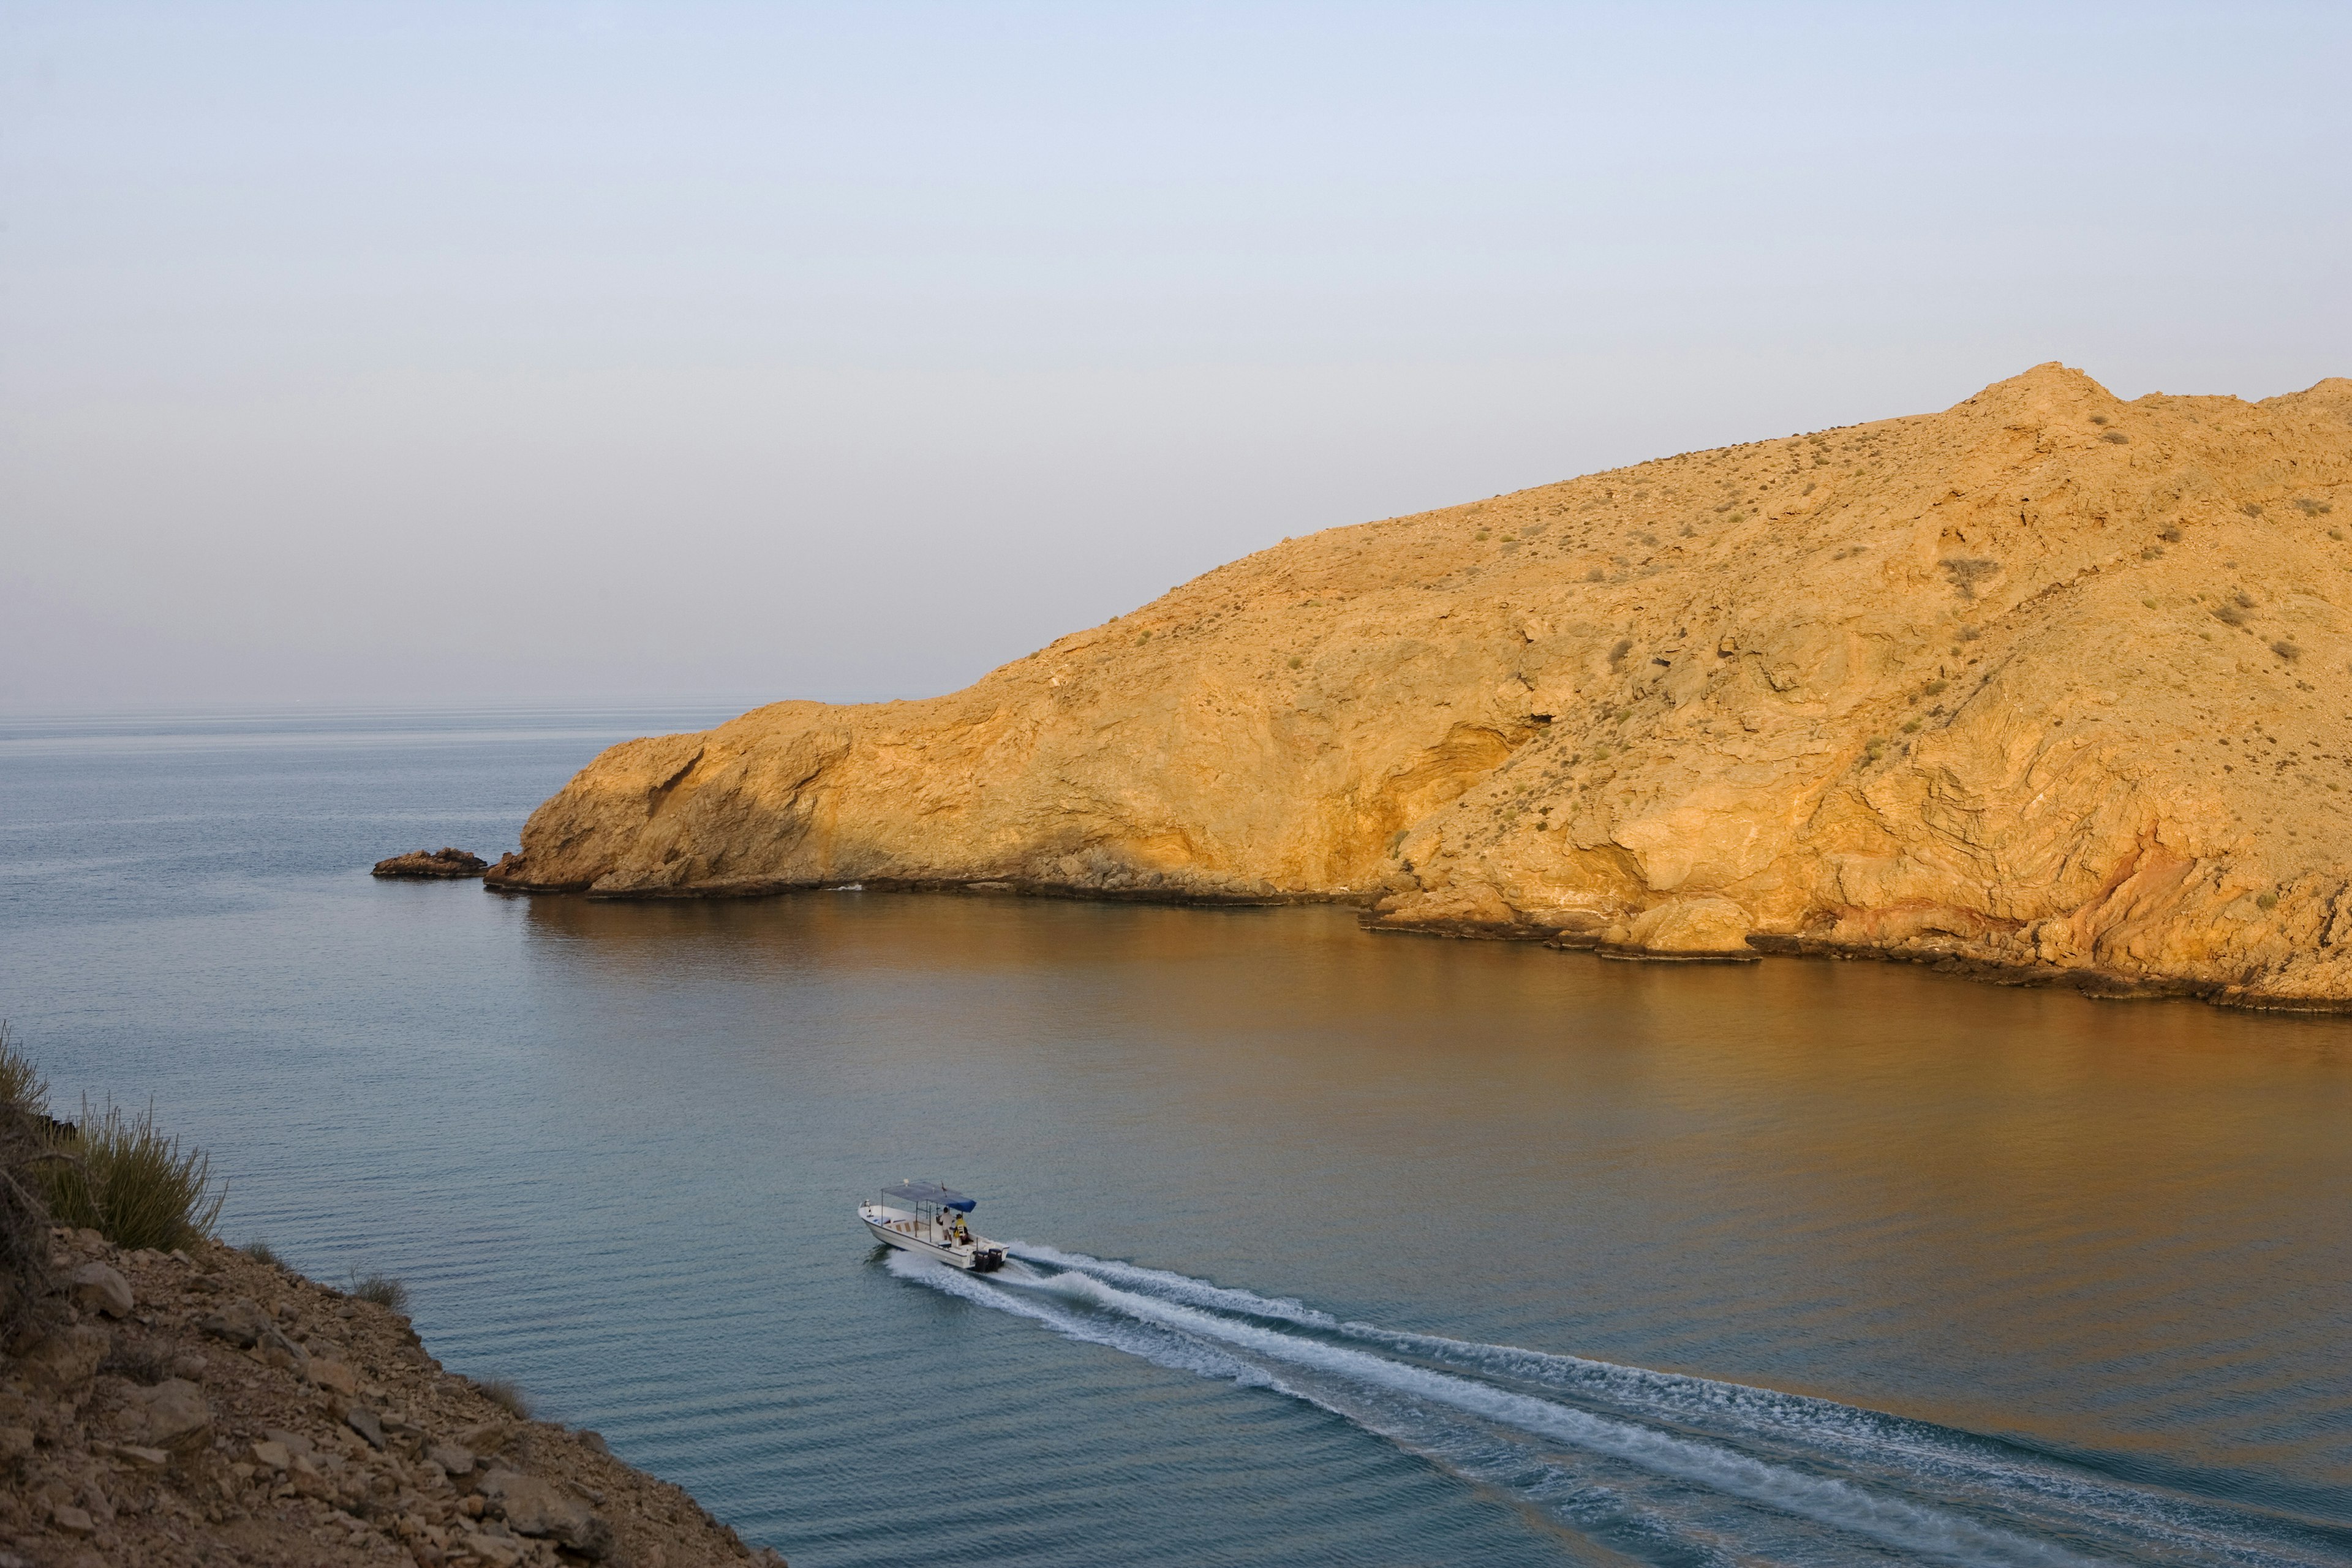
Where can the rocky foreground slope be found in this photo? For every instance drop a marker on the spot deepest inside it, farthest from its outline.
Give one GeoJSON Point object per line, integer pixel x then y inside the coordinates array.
{"type": "Point", "coordinates": [219, 1409]}
{"type": "Point", "coordinates": [2047, 682]}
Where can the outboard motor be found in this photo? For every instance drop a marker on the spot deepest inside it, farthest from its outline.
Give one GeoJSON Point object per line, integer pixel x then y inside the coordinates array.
{"type": "Point", "coordinates": [987, 1259]}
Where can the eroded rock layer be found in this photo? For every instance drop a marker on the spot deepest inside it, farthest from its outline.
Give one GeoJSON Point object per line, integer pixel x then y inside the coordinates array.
{"type": "Point", "coordinates": [2047, 682]}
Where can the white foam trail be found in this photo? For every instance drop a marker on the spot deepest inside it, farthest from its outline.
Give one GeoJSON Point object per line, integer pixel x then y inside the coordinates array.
{"type": "Point", "coordinates": [1997, 1476]}
{"type": "Point", "coordinates": [1896, 1522]}
{"type": "Point", "coordinates": [1841, 1505]}
{"type": "Point", "coordinates": [1564, 1372]}
{"type": "Point", "coordinates": [1497, 1463]}
{"type": "Point", "coordinates": [1654, 1391]}
{"type": "Point", "coordinates": [1205, 1360]}
{"type": "Point", "coordinates": [1182, 1287]}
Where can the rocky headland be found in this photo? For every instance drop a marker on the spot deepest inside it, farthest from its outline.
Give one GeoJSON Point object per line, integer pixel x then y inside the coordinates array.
{"type": "Point", "coordinates": [207, 1406]}
{"type": "Point", "coordinates": [2049, 686]}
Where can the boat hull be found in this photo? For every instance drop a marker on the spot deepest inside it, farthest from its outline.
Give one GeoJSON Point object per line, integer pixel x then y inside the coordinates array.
{"type": "Point", "coordinates": [979, 1256]}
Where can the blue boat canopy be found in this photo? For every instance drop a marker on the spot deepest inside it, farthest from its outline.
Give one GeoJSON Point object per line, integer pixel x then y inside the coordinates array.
{"type": "Point", "coordinates": [930, 1193]}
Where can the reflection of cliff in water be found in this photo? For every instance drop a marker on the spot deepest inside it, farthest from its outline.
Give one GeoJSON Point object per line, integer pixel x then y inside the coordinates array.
{"type": "Point", "coordinates": [2055, 1184]}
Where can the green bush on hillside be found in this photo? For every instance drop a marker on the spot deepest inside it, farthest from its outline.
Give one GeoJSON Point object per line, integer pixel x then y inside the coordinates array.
{"type": "Point", "coordinates": [112, 1171]}
{"type": "Point", "coordinates": [131, 1183]}
{"type": "Point", "coordinates": [25, 1277]}
{"type": "Point", "coordinates": [22, 1087]}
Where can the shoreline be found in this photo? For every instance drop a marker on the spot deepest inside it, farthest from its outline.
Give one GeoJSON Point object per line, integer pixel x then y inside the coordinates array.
{"type": "Point", "coordinates": [2096, 983]}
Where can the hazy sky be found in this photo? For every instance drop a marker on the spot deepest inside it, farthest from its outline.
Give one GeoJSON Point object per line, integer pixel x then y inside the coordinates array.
{"type": "Point", "coordinates": [479, 352]}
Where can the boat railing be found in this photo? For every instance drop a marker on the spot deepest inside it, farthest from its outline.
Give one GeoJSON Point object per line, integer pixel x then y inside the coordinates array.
{"type": "Point", "coordinates": [933, 1227]}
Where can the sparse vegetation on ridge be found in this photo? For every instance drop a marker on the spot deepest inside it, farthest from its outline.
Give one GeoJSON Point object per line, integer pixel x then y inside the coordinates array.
{"type": "Point", "coordinates": [506, 1393]}
{"type": "Point", "coordinates": [209, 1405]}
{"type": "Point", "coordinates": [131, 1183]}
{"type": "Point", "coordinates": [109, 1171]}
{"type": "Point", "coordinates": [22, 1087]}
{"type": "Point", "coordinates": [26, 1282]}
{"type": "Point", "coordinates": [382, 1289]}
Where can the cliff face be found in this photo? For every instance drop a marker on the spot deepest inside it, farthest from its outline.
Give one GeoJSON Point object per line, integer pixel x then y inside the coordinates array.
{"type": "Point", "coordinates": [2048, 682]}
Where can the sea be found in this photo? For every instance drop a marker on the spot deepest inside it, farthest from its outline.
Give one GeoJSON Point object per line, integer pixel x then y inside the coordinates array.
{"type": "Point", "coordinates": [1327, 1247]}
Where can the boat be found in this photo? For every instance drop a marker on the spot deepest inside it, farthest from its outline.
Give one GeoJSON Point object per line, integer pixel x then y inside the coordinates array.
{"type": "Point", "coordinates": [928, 1220]}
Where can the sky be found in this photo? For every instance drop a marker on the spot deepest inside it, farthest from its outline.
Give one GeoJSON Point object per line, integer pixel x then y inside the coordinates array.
{"type": "Point", "coordinates": [489, 353]}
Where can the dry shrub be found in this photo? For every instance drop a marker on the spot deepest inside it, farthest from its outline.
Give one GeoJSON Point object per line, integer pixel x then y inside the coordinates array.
{"type": "Point", "coordinates": [21, 1083]}
{"type": "Point", "coordinates": [1966, 574]}
{"type": "Point", "coordinates": [133, 1185]}
{"type": "Point", "coordinates": [508, 1393]}
{"type": "Point", "coordinates": [138, 1361]}
{"type": "Point", "coordinates": [27, 1282]}
{"type": "Point", "coordinates": [382, 1289]}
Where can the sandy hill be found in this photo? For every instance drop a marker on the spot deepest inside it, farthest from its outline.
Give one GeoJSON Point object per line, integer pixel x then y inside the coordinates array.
{"type": "Point", "coordinates": [2047, 681]}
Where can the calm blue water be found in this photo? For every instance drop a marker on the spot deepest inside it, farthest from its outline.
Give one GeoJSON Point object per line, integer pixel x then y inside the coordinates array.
{"type": "Point", "coordinates": [1334, 1248]}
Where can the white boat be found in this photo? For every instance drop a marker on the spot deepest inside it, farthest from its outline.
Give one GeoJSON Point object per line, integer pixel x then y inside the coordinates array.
{"type": "Point", "coordinates": [928, 1219]}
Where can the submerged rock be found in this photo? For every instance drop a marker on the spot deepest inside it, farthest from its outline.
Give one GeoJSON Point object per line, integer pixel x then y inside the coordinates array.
{"type": "Point", "coordinates": [425, 864]}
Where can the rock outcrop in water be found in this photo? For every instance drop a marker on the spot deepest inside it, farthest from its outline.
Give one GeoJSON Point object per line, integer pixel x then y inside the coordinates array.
{"type": "Point", "coordinates": [436, 863]}
{"type": "Point", "coordinates": [2049, 683]}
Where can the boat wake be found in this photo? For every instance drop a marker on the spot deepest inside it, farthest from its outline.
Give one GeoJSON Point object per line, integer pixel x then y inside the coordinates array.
{"type": "Point", "coordinates": [1654, 1467]}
